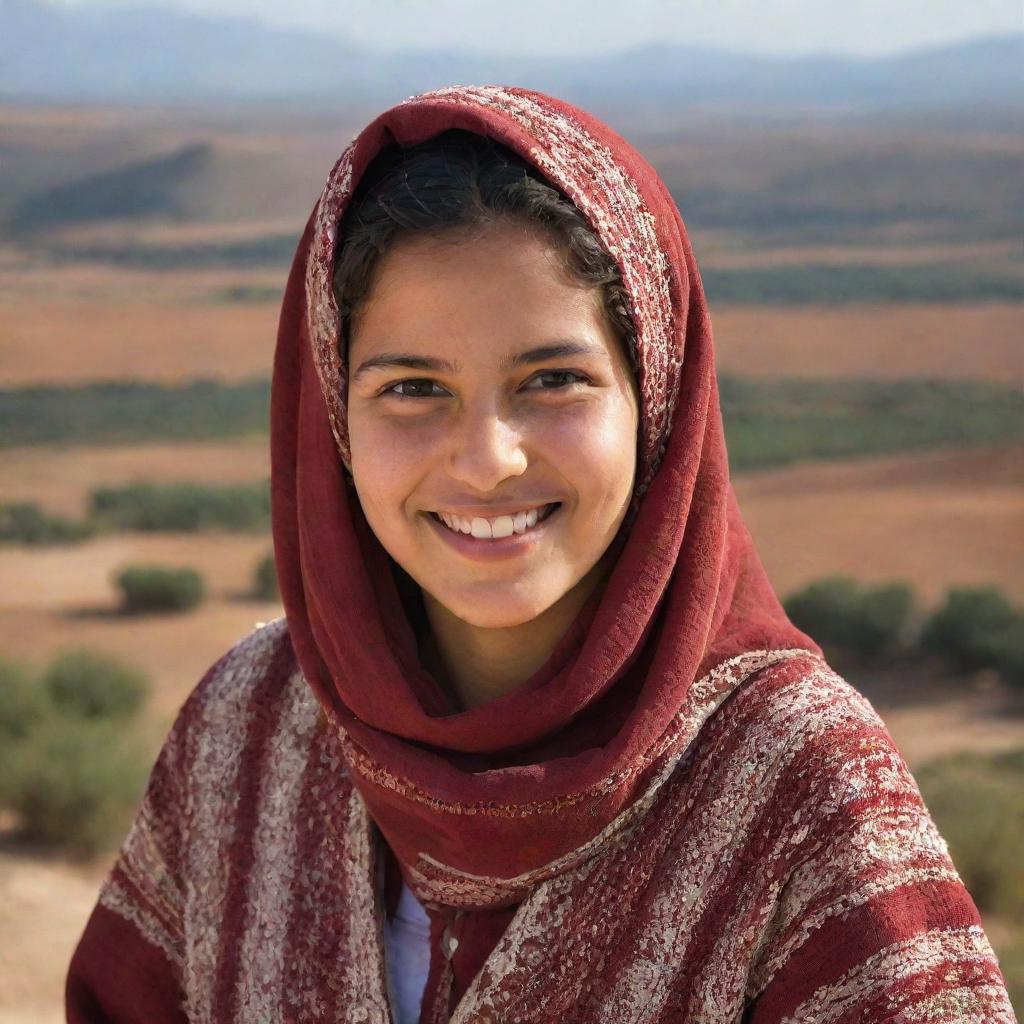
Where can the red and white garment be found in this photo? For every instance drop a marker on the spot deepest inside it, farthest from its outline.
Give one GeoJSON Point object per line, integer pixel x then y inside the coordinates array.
{"type": "Point", "coordinates": [684, 815]}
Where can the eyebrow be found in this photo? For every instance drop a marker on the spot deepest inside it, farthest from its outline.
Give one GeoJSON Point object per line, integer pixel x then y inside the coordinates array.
{"type": "Point", "coordinates": [557, 350]}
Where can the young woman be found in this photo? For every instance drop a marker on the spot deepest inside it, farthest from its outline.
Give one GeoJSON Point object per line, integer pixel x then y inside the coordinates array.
{"type": "Point", "coordinates": [535, 741]}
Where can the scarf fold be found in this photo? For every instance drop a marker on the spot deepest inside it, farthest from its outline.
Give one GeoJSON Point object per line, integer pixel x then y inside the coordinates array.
{"type": "Point", "coordinates": [479, 805]}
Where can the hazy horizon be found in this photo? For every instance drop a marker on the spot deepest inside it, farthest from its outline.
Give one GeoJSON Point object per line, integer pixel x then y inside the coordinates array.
{"type": "Point", "coordinates": [786, 28]}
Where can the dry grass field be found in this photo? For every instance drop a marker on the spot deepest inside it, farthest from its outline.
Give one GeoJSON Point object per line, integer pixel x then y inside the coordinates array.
{"type": "Point", "coordinates": [60, 478]}
{"type": "Point", "coordinates": [158, 329]}
{"type": "Point", "coordinates": [936, 520]}
{"type": "Point", "coordinates": [891, 342]}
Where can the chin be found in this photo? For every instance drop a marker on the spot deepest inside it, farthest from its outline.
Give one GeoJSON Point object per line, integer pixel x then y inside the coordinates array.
{"type": "Point", "coordinates": [497, 610]}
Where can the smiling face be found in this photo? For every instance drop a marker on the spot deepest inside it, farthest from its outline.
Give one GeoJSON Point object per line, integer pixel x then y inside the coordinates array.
{"type": "Point", "coordinates": [486, 386]}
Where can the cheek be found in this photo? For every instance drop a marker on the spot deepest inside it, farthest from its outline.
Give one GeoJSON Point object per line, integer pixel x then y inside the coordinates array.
{"type": "Point", "coordinates": [596, 448]}
{"type": "Point", "coordinates": [386, 462]}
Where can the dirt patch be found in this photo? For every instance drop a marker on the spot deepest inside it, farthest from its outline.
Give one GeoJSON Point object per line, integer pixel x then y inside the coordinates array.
{"type": "Point", "coordinates": [889, 342]}
{"type": "Point", "coordinates": [60, 479]}
{"type": "Point", "coordinates": [721, 255]}
{"type": "Point", "coordinates": [932, 714]}
{"type": "Point", "coordinates": [93, 322]}
{"type": "Point", "coordinates": [166, 339]}
{"type": "Point", "coordinates": [935, 520]}
{"type": "Point", "coordinates": [44, 905]}
{"type": "Point", "coordinates": [78, 341]}
{"type": "Point", "coordinates": [65, 598]}
{"type": "Point", "coordinates": [45, 902]}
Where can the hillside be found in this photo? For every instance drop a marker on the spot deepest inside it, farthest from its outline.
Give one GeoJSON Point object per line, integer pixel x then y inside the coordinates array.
{"type": "Point", "coordinates": [150, 188]}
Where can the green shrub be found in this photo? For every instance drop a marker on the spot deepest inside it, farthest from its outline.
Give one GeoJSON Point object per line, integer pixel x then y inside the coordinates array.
{"type": "Point", "coordinates": [977, 802]}
{"type": "Point", "coordinates": [23, 702]}
{"type": "Point", "coordinates": [825, 609]}
{"type": "Point", "coordinates": [183, 507]}
{"type": "Point", "coordinates": [84, 684]}
{"type": "Point", "coordinates": [27, 523]}
{"type": "Point", "coordinates": [155, 588]}
{"type": "Point", "coordinates": [1010, 951]}
{"type": "Point", "coordinates": [75, 784]}
{"type": "Point", "coordinates": [68, 768]}
{"type": "Point", "coordinates": [860, 282]}
{"type": "Point", "coordinates": [976, 628]}
{"type": "Point", "coordinates": [130, 412]}
{"type": "Point", "coordinates": [1006, 649]}
{"type": "Point", "coordinates": [23, 705]}
{"type": "Point", "coordinates": [265, 579]}
{"type": "Point", "coordinates": [865, 622]}
{"type": "Point", "coordinates": [885, 612]}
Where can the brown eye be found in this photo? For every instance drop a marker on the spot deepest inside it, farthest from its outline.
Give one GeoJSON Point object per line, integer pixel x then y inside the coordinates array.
{"type": "Point", "coordinates": [413, 388]}
{"type": "Point", "coordinates": [557, 380]}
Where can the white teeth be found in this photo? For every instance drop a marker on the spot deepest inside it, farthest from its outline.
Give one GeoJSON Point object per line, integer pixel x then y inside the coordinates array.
{"type": "Point", "coordinates": [503, 526]}
{"type": "Point", "coordinates": [488, 529]}
{"type": "Point", "coordinates": [456, 523]}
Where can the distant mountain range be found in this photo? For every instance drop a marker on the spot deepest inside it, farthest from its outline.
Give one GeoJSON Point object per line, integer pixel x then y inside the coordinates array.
{"type": "Point", "coordinates": [157, 55]}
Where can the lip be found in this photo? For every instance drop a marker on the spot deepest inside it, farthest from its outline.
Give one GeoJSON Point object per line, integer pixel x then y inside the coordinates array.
{"type": "Point", "coordinates": [492, 550]}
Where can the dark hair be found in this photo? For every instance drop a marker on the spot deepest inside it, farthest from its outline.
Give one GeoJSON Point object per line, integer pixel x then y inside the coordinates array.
{"type": "Point", "coordinates": [460, 180]}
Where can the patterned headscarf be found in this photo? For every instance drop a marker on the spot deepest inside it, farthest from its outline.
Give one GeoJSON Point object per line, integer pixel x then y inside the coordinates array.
{"type": "Point", "coordinates": [481, 805]}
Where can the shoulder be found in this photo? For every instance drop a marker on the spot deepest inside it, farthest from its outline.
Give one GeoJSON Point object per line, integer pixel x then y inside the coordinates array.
{"type": "Point", "coordinates": [804, 713]}
{"type": "Point", "coordinates": [859, 879]}
{"type": "Point", "coordinates": [256, 667]}
{"type": "Point", "coordinates": [260, 653]}
{"type": "Point", "coordinates": [254, 689]}
{"type": "Point", "coordinates": [802, 744]}
{"type": "Point", "coordinates": [836, 786]}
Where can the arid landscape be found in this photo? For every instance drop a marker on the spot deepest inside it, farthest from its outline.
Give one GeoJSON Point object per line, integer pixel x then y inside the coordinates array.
{"type": "Point", "coordinates": [187, 289]}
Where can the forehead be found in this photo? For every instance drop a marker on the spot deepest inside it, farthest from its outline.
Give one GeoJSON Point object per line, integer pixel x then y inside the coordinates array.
{"type": "Point", "coordinates": [507, 281]}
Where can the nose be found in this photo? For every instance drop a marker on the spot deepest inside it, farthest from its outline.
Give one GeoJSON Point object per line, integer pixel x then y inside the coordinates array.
{"type": "Point", "coordinates": [485, 449]}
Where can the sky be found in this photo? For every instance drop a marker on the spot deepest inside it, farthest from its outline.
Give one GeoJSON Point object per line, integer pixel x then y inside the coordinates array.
{"type": "Point", "coordinates": [549, 27]}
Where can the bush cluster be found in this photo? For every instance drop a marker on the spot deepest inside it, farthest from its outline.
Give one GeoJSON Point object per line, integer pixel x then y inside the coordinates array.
{"type": "Point", "coordinates": [145, 507]}
{"type": "Point", "coordinates": [974, 628]}
{"type": "Point", "coordinates": [978, 628]}
{"type": "Point", "coordinates": [69, 767]}
{"type": "Point", "coordinates": [866, 621]}
{"type": "Point", "coordinates": [127, 412]}
{"type": "Point", "coordinates": [183, 507]}
{"type": "Point", "coordinates": [977, 802]}
{"type": "Point", "coordinates": [26, 523]}
{"type": "Point", "coordinates": [156, 588]}
{"type": "Point", "coordinates": [86, 685]}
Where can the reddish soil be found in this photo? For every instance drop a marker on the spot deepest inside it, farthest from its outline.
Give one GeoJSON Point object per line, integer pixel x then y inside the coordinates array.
{"type": "Point", "coordinates": [60, 479]}
{"type": "Point", "coordinates": [935, 520]}
{"type": "Point", "coordinates": [888, 342]}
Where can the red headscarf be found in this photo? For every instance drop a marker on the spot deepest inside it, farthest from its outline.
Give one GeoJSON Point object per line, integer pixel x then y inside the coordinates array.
{"type": "Point", "coordinates": [481, 805]}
